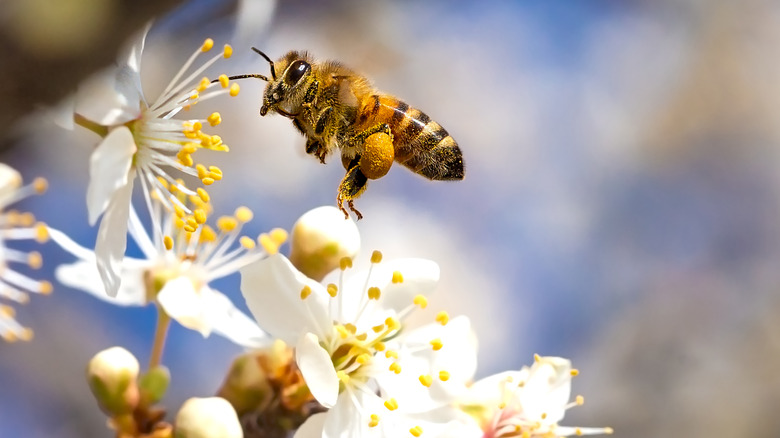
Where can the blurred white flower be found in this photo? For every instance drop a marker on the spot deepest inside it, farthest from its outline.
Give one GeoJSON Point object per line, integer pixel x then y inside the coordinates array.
{"type": "Point", "coordinates": [143, 139]}
{"type": "Point", "coordinates": [527, 403]}
{"type": "Point", "coordinates": [15, 286]}
{"type": "Point", "coordinates": [351, 350]}
{"type": "Point", "coordinates": [177, 267]}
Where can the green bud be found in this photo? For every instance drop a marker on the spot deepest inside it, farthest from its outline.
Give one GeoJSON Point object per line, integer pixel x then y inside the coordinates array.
{"type": "Point", "coordinates": [320, 239]}
{"type": "Point", "coordinates": [211, 417]}
{"type": "Point", "coordinates": [112, 375]}
{"type": "Point", "coordinates": [154, 384]}
{"type": "Point", "coordinates": [247, 386]}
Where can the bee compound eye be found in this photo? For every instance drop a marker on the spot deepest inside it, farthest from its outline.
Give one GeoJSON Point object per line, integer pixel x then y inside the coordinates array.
{"type": "Point", "coordinates": [296, 71]}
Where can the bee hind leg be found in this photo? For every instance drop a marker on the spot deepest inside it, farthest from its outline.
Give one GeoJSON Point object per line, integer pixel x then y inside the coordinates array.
{"type": "Point", "coordinates": [352, 186]}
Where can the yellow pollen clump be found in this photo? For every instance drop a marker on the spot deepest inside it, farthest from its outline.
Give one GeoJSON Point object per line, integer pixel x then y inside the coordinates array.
{"type": "Point", "coordinates": [444, 376]}
{"type": "Point", "coordinates": [41, 233]}
{"type": "Point", "coordinates": [214, 171]}
{"type": "Point", "coordinates": [203, 194]}
{"type": "Point", "coordinates": [421, 301]}
{"type": "Point", "coordinates": [363, 359]}
{"type": "Point", "coordinates": [392, 323]}
{"type": "Point", "coordinates": [207, 45]}
{"type": "Point", "coordinates": [247, 242]}
{"type": "Point", "coordinates": [207, 181]}
{"type": "Point", "coordinates": [203, 84]}
{"type": "Point", "coordinates": [200, 216]}
{"type": "Point", "coordinates": [227, 52]}
{"type": "Point", "coordinates": [190, 222]}
{"type": "Point", "coordinates": [185, 159]}
{"type": "Point", "coordinates": [244, 214]}
{"type": "Point", "coordinates": [391, 404]}
{"type": "Point", "coordinates": [374, 420]}
{"type": "Point", "coordinates": [380, 346]}
{"type": "Point", "coordinates": [234, 89]}
{"type": "Point", "coordinates": [395, 367]}
{"type": "Point", "coordinates": [40, 185]}
{"type": "Point", "coordinates": [345, 263]}
{"type": "Point", "coordinates": [214, 119]}
{"type": "Point", "coordinates": [278, 235]}
{"type": "Point", "coordinates": [202, 171]}
{"type": "Point", "coordinates": [580, 400]}
{"type": "Point", "coordinates": [207, 234]}
{"type": "Point", "coordinates": [391, 353]}
{"type": "Point", "coordinates": [574, 372]}
{"type": "Point", "coordinates": [224, 81]}
{"type": "Point", "coordinates": [442, 317]}
{"type": "Point", "coordinates": [374, 293]}
{"type": "Point", "coordinates": [333, 290]}
{"type": "Point", "coordinates": [305, 292]}
{"type": "Point", "coordinates": [268, 244]}
{"type": "Point", "coordinates": [376, 257]}
{"type": "Point", "coordinates": [426, 380]}
{"type": "Point", "coordinates": [377, 157]}
{"type": "Point", "coordinates": [544, 415]}
{"type": "Point", "coordinates": [34, 260]}
{"type": "Point", "coordinates": [397, 277]}
{"type": "Point", "coordinates": [416, 431]}
{"type": "Point", "coordinates": [168, 242]}
{"type": "Point", "coordinates": [436, 344]}
{"type": "Point", "coordinates": [227, 224]}
{"type": "Point", "coordinates": [45, 287]}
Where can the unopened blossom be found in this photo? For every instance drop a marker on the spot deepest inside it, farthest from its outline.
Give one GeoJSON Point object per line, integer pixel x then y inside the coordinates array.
{"type": "Point", "coordinates": [15, 286]}
{"type": "Point", "coordinates": [178, 266]}
{"type": "Point", "coordinates": [376, 378]}
{"type": "Point", "coordinates": [210, 417]}
{"type": "Point", "coordinates": [143, 139]}
{"type": "Point", "coordinates": [526, 403]}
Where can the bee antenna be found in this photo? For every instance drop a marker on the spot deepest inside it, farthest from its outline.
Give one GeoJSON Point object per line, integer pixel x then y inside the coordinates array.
{"type": "Point", "coordinates": [273, 71]}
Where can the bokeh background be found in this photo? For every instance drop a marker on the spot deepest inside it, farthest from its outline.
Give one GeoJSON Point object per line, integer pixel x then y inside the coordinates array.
{"type": "Point", "coordinates": [620, 205]}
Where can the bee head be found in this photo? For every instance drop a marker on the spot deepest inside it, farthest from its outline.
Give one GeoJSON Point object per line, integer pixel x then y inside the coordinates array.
{"type": "Point", "coordinates": [284, 93]}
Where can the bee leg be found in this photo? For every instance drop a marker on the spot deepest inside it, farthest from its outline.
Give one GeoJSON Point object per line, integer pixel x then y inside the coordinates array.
{"type": "Point", "coordinates": [351, 187]}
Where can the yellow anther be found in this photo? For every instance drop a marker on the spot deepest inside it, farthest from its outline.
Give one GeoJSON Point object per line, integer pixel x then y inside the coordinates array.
{"type": "Point", "coordinates": [202, 171]}
{"type": "Point", "coordinates": [214, 119]}
{"type": "Point", "coordinates": [378, 328]}
{"type": "Point", "coordinates": [26, 334]}
{"type": "Point", "coordinates": [436, 344]}
{"type": "Point", "coordinates": [203, 194]}
{"type": "Point", "coordinates": [391, 404]}
{"type": "Point", "coordinates": [580, 400]}
{"type": "Point", "coordinates": [200, 216]}
{"type": "Point", "coordinates": [7, 311]}
{"type": "Point", "coordinates": [216, 141]}
{"type": "Point", "coordinates": [345, 263]}
{"type": "Point", "coordinates": [421, 301]}
{"type": "Point", "coordinates": [426, 380]}
{"type": "Point", "coordinates": [305, 292]}
{"type": "Point", "coordinates": [207, 181]}
{"type": "Point", "coordinates": [40, 185]}
{"type": "Point", "coordinates": [392, 323]}
{"type": "Point", "coordinates": [391, 353]}
{"type": "Point", "coordinates": [333, 290]}
{"type": "Point", "coordinates": [244, 214]}
{"type": "Point", "coordinates": [195, 95]}
{"type": "Point", "coordinates": [395, 367]}
{"type": "Point", "coordinates": [362, 337]}
{"type": "Point", "coordinates": [376, 256]}
{"type": "Point", "coordinates": [374, 293]}
{"type": "Point", "coordinates": [374, 420]}
{"type": "Point", "coordinates": [41, 233]}
{"type": "Point", "coordinates": [189, 148]}
{"type": "Point", "coordinates": [207, 45]}
{"type": "Point", "coordinates": [380, 346]}
{"type": "Point", "coordinates": [247, 242]}
{"type": "Point", "coordinates": [178, 211]}
{"type": "Point", "coordinates": [268, 244]}
{"type": "Point", "coordinates": [279, 235]}
{"type": "Point", "coordinates": [578, 431]}
{"type": "Point", "coordinates": [227, 224]}
{"type": "Point", "coordinates": [363, 359]}
{"type": "Point", "coordinates": [191, 134]}
{"type": "Point", "coordinates": [185, 159]}
{"type": "Point", "coordinates": [197, 126]}
{"type": "Point", "coordinates": [416, 431]}
{"type": "Point", "coordinates": [609, 430]}
{"type": "Point", "coordinates": [34, 260]}
{"type": "Point", "coordinates": [9, 337]}
{"type": "Point", "coordinates": [26, 219]}
{"type": "Point", "coordinates": [214, 171]}
{"type": "Point", "coordinates": [444, 376]}
{"type": "Point", "coordinates": [574, 372]}
{"type": "Point", "coordinates": [537, 358]}
{"type": "Point", "coordinates": [163, 182]}
{"type": "Point", "coordinates": [224, 80]}
{"type": "Point", "coordinates": [168, 242]}
{"type": "Point", "coordinates": [351, 327]}
{"type": "Point", "coordinates": [203, 84]}
{"type": "Point", "coordinates": [191, 222]}
{"type": "Point", "coordinates": [227, 52]}
{"type": "Point", "coordinates": [234, 89]}
{"type": "Point", "coordinates": [398, 277]}
{"type": "Point", "coordinates": [544, 415]}
{"type": "Point", "coordinates": [178, 223]}
{"type": "Point", "coordinates": [342, 331]}
{"type": "Point", "coordinates": [443, 317]}
{"type": "Point", "coordinates": [189, 228]}
{"type": "Point", "coordinates": [343, 376]}
{"type": "Point", "coordinates": [207, 234]}
{"type": "Point", "coordinates": [45, 287]}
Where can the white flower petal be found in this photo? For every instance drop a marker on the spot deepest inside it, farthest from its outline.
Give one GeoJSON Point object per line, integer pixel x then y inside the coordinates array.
{"type": "Point", "coordinates": [226, 320]}
{"type": "Point", "coordinates": [547, 389]}
{"type": "Point", "coordinates": [84, 275]}
{"type": "Point", "coordinates": [317, 370]}
{"type": "Point", "coordinates": [109, 170]}
{"type": "Point", "coordinates": [186, 305]}
{"type": "Point", "coordinates": [109, 97]}
{"type": "Point", "coordinates": [347, 418]}
{"type": "Point", "coordinates": [272, 288]}
{"type": "Point", "coordinates": [312, 427]}
{"type": "Point", "coordinates": [112, 238]}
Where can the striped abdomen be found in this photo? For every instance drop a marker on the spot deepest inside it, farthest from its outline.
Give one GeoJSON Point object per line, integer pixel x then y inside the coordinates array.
{"type": "Point", "coordinates": [420, 143]}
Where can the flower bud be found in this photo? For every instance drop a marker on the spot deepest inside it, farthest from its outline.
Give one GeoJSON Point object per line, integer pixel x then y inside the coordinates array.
{"type": "Point", "coordinates": [320, 239]}
{"type": "Point", "coordinates": [247, 386]}
{"type": "Point", "coordinates": [112, 375]}
{"type": "Point", "coordinates": [154, 384]}
{"type": "Point", "coordinates": [211, 417]}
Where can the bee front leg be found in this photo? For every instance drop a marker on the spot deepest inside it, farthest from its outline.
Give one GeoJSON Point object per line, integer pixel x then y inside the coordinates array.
{"type": "Point", "coordinates": [351, 187]}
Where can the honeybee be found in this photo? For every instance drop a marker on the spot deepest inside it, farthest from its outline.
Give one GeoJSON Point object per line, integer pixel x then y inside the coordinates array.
{"type": "Point", "coordinates": [335, 107]}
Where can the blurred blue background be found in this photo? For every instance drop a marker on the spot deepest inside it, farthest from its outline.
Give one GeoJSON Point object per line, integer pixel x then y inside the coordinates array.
{"type": "Point", "coordinates": [619, 206]}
